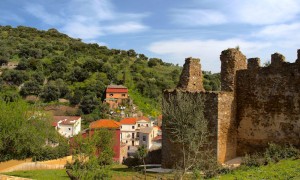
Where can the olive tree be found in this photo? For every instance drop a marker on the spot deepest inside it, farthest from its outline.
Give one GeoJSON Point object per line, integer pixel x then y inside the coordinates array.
{"type": "Point", "coordinates": [186, 127]}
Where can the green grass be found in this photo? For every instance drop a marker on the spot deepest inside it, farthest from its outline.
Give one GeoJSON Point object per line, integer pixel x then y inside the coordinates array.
{"type": "Point", "coordinates": [117, 172]}
{"type": "Point", "coordinates": [41, 174]}
{"type": "Point", "coordinates": [285, 169]}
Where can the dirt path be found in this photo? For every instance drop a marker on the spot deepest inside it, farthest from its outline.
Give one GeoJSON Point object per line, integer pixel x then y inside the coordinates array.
{"type": "Point", "coordinates": [27, 164]}
{"type": "Point", "coordinates": [5, 177]}
{"type": "Point", "coordinates": [12, 163]}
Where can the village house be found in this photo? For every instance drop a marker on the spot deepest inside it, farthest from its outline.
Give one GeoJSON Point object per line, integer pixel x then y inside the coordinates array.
{"type": "Point", "coordinates": [128, 131]}
{"type": "Point", "coordinates": [120, 149]}
{"type": "Point", "coordinates": [67, 126]}
{"type": "Point", "coordinates": [150, 137]}
{"type": "Point", "coordinates": [116, 95]}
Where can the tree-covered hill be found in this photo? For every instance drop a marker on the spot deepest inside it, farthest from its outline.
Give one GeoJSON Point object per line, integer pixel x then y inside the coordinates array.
{"type": "Point", "coordinates": [53, 65]}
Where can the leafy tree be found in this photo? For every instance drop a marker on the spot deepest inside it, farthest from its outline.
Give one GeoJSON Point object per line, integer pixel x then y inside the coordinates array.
{"type": "Point", "coordinates": [50, 92]}
{"type": "Point", "coordinates": [131, 53]}
{"type": "Point", "coordinates": [15, 77]}
{"type": "Point", "coordinates": [25, 131]}
{"type": "Point", "coordinates": [88, 103]}
{"type": "Point", "coordinates": [92, 156]}
{"type": "Point", "coordinates": [31, 88]}
{"type": "Point", "coordinates": [186, 126]}
{"type": "Point", "coordinates": [142, 154]}
{"type": "Point", "coordinates": [76, 98]}
{"type": "Point", "coordinates": [38, 76]}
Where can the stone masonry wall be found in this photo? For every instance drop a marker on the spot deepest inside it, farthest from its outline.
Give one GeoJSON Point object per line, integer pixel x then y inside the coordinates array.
{"type": "Point", "coordinates": [227, 131]}
{"type": "Point", "coordinates": [191, 76]}
{"type": "Point", "coordinates": [231, 61]}
{"type": "Point", "coordinates": [268, 104]}
{"type": "Point", "coordinates": [170, 152]}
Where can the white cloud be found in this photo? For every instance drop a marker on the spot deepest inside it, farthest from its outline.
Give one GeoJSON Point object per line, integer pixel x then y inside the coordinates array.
{"type": "Point", "coordinates": [40, 12]}
{"type": "Point", "coordinates": [262, 12]}
{"type": "Point", "coordinates": [89, 20]}
{"type": "Point", "coordinates": [207, 50]}
{"type": "Point", "coordinates": [282, 31]}
{"type": "Point", "coordinates": [254, 12]}
{"type": "Point", "coordinates": [127, 27]}
{"type": "Point", "coordinates": [196, 17]}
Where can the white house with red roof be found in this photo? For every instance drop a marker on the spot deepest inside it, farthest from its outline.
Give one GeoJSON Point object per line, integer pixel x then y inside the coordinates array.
{"type": "Point", "coordinates": [67, 126]}
{"type": "Point", "coordinates": [128, 131]}
{"type": "Point", "coordinates": [130, 128]}
{"type": "Point", "coordinates": [115, 95]}
{"type": "Point", "coordinates": [150, 137]}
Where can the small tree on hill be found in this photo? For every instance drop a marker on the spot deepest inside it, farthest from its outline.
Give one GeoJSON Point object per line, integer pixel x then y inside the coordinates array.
{"type": "Point", "coordinates": [187, 128]}
{"type": "Point", "coordinates": [141, 154]}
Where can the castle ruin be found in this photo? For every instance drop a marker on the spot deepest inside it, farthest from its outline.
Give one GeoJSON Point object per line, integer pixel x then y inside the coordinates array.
{"type": "Point", "coordinates": [256, 105]}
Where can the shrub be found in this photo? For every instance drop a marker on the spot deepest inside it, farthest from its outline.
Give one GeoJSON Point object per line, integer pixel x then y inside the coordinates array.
{"type": "Point", "coordinates": [253, 160]}
{"type": "Point", "coordinates": [275, 152]}
{"type": "Point", "coordinates": [131, 162]}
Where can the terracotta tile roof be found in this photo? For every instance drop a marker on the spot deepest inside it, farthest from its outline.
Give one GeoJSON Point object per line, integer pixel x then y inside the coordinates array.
{"type": "Point", "coordinates": [66, 120]}
{"type": "Point", "coordinates": [128, 121]}
{"type": "Point", "coordinates": [105, 123]}
{"type": "Point", "coordinates": [157, 138]}
{"type": "Point", "coordinates": [116, 89]}
{"type": "Point", "coordinates": [146, 130]}
{"type": "Point", "coordinates": [143, 118]}
{"type": "Point", "coordinates": [159, 117]}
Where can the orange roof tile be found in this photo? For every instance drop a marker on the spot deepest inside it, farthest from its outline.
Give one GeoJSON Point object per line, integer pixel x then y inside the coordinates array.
{"type": "Point", "coordinates": [143, 118]}
{"type": "Point", "coordinates": [110, 90]}
{"type": "Point", "coordinates": [105, 123]}
{"type": "Point", "coordinates": [128, 120]}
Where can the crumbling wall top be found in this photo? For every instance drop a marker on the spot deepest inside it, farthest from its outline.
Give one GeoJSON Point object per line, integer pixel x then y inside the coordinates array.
{"type": "Point", "coordinates": [231, 60]}
{"type": "Point", "coordinates": [191, 76]}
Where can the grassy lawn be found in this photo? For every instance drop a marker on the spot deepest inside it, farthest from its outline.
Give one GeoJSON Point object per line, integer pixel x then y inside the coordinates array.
{"type": "Point", "coordinates": [118, 172]}
{"type": "Point", "coordinates": [285, 169]}
{"type": "Point", "coordinates": [41, 174]}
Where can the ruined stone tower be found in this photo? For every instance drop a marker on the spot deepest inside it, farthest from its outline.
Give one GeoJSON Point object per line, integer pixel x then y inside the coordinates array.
{"type": "Point", "coordinates": [191, 76]}
{"type": "Point", "coordinates": [256, 106]}
{"type": "Point", "coordinates": [232, 60]}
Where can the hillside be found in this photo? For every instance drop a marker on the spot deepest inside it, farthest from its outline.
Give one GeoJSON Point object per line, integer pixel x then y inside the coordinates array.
{"type": "Point", "coordinates": [52, 65]}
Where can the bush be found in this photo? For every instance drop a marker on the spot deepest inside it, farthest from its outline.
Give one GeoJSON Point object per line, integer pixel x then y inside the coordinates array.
{"type": "Point", "coordinates": [272, 154]}
{"type": "Point", "coordinates": [253, 160]}
{"type": "Point", "coordinates": [275, 153]}
{"type": "Point", "coordinates": [131, 162]}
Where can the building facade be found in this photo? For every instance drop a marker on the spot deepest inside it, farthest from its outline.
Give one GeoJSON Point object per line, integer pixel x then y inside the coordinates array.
{"type": "Point", "coordinates": [67, 126]}
{"type": "Point", "coordinates": [115, 95]}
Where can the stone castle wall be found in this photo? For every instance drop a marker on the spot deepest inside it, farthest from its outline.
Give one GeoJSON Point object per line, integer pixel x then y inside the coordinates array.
{"type": "Point", "coordinates": [268, 104]}
{"type": "Point", "coordinates": [170, 152]}
{"type": "Point", "coordinates": [257, 105]}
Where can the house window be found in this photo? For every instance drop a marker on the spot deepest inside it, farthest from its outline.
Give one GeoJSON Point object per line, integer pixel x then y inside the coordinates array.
{"type": "Point", "coordinates": [132, 127]}
{"type": "Point", "coordinates": [123, 95]}
{"type": "Point", "coordinates": [121, 127]}
{"type": "Point", "coordinates": [144, 138]}
{"type": "Point", "coordinates": [137, 134]}
{"type": "Point", "coordinates": [69, 129]}
{"type": "Point", "coordinates": [147, 125]}
{"type": "Point", "coordinates": [132, 135]}
{"type": "Point", "coordinates": [111, 95]}
{"type": "Point", "coordinates": [139, 125]}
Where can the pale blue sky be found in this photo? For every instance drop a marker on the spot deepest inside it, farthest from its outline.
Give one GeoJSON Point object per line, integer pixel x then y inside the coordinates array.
{"type": "Point", "coordinates": [169, 29]}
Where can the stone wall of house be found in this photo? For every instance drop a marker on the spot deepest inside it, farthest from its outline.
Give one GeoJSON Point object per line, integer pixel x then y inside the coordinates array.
{"type": "Point", "coordinates": [268, 104]}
